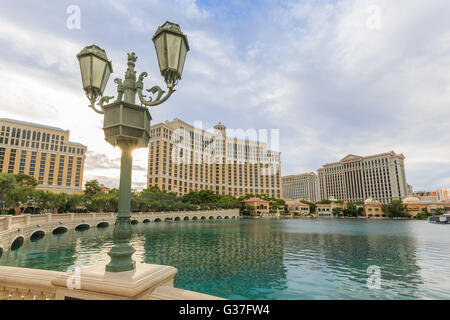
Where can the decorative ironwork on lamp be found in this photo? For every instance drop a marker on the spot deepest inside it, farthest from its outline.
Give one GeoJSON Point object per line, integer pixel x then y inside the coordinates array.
{"type": "Point", "coordinates": [127, 124]}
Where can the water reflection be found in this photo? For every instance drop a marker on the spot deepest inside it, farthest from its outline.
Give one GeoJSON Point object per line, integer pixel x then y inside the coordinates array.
{"type": "Point", "coordinates": [270, 259]}
{"type": "Point", "coordinates": [221, 258]}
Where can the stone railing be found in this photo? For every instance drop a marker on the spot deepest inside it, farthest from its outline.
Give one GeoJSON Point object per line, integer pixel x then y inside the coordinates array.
{"type": "Point", "coordinates": [146, 282]}
{"type": "Point", "coordinates": [27, 284]}
{"type": "Point", "coordinates": [152, 282]}
{"type": "Point", "coordinates": [23, 227]}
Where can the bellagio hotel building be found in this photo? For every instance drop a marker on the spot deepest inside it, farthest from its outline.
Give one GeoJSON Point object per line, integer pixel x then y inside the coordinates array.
{"type": "Point", "coordinates": [42, 152]}
{"type": "Point", "coordinates": [183, 158]}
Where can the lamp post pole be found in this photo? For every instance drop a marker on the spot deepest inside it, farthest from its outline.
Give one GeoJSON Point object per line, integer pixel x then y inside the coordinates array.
{"type": "Point", "coordinates": [127, 124]}
{"type": "Point", "coordinates": [122, 251]}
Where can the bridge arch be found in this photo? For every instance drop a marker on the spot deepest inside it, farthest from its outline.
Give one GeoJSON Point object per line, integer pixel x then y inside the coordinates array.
{"type": "Point", "coordinates": [194, 218]}
{"type": "Point", "coordinates": [103, 224]}
{"type": "Point", "coordinates": [227, 217]}
{"type": "Point", "coordinates": [186, 218]}
{"type": "Point", "coordinates": [157, 220]}
{"type": "Point", "coordinates": [219, 217]}
{"type": "Point", "coordinates": [203, 218]}
{"type": "Point", "coordinates": [37, 235]}
{"type": "Point", "coordinates": [82, 227]}
{"type": "Point", "coordinates": [1, 251]}
{"type": "Point", "coordinates": [146, 221]}
{"type": "Point", "coordinates": [211, 218]}
{"type": "Point", "coordinates": [17, 242]}
{"type": "Point", "coordinates": [59, 230]}
{"type": "Point", "coordinates": [177, 219]}
{"type": "Point", "coordinates": [233, 217]}
{"type": "Point", "coordinates": [168, 219]}
{"type": "Point", "coordinates": [134, 222]}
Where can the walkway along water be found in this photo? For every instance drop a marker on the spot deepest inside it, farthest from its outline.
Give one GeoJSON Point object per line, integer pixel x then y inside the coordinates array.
{"type": "Point", "coordinates": [147, 282]}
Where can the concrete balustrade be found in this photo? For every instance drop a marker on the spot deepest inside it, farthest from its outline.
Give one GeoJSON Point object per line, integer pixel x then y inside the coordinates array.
{"type": "Point", "coordinates": [146, 282]}
{"type": "Point", "coordinates": [27, 284]}
{"type": "Point", "coordinates": [21, 228]}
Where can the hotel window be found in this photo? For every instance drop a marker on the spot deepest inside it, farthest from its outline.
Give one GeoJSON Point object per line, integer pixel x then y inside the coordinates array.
{"type": "Point", "coordinates": [52, 169]}
{"type": "Point", "coordinates": [12, 159]}
{"type": "Point", "coordinates": [78, 173]}
{"type": "Point", "coordinates": [60, 170]}
{"type": "Point", "coordinates": [69, 171]}
{"type": "Point", "coordinates": [42, 168]}
{"type": "Point", "coordinates": [22, 161]}
{"type": "Point", "coordinates": [32, 163]}
{"type": "Point", "coordinates": [2, 157]}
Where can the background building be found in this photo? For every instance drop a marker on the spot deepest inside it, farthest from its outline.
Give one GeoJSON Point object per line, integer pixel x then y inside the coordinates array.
{"type": "Point", "coordinates": [183, 158]}
{"type": "Point", "coordinates": [355, 178]}
{"type": "Point", "coordinates": [257, 206]}
{"type": "Point", "coordinates": [443, 194]}
{"type": "Point", "coordinates": [373, 208]}
{"type": "Point", "coordinates": [42, 152]}
{"type": "Point", "coordinates": [435, 196]}
{"type": "Point", "coordinates": [301, 186]}
{"type": "Point", "coordinates": [296, 207]}
{"type": "Point", "coordinates": [426, 195]}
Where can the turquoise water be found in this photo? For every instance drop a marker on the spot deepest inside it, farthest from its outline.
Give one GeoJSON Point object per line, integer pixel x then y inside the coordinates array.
{"type": "Point", "coordinates": [271, 259]}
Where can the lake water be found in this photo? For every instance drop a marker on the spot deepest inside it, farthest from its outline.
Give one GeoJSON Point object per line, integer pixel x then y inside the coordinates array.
{"type": "Point", "coordinates": [272, 259]}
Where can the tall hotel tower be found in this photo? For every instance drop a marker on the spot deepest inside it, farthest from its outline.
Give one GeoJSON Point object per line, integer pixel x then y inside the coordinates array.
{"type": "Point", "coordinates": [42, 152]}
{"type": "Point", "coordinates": [183, 158]}
{"type": "Point", "coordinates": [301, 186]}
{"type": "Point", "coordinates": [355, 178]}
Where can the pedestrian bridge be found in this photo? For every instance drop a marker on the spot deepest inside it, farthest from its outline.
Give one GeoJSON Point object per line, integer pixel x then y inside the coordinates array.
{"type": "Point", "coordinates": [14, 230]}
{"type": "Point", "coordinates": [146, 282]}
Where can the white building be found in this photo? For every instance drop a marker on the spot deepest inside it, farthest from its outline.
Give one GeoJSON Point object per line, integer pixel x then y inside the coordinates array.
{"type": "Point", "coordinates": [301, 186]}
{"type": "Point", "coordinates": [356, 178]}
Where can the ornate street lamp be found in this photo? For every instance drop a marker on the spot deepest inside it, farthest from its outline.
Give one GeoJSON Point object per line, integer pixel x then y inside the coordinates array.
{"type": "Point", "coordinates": [127, 124]}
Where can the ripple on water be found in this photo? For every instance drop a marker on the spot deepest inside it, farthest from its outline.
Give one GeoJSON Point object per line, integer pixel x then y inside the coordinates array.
{"type": "Point", "coordinates": [271, 259]}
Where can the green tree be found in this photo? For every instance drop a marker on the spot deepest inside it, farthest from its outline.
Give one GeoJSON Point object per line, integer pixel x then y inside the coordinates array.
{"type": "Point", "coordinates": [25, 179]}
{"type": "Point", "coordinates": [57, 202]}
{"type": "Point", "coordinates": [73, 201]}
{"type": "Point", "coordinates": [92, 188]}
{"type": "Point", "coordinates": [351, 210]}
{"type": "Point", "coordinates": [423, 215]}
{"type": "Point", "coordinates": [19, 191]}
{"type": "Point", "coordinates": [360, 211]}
{"type": "Point", "coordinates": [42, 199]}
{"type": "Point", "coordinates": [395, 209]}
{"type": "Point", "coordinates": [202, 196]}
{"type": "Point", "coordinates": [337, 211]}
{"type": "Point", "coordinates": [7, 185]}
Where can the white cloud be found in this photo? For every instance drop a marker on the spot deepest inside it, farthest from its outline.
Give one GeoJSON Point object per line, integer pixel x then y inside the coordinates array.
{"type": "Point", "coordinates": [313, 69]}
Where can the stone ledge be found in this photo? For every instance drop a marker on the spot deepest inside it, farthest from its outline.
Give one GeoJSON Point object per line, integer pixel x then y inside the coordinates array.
{"type": "Point", "coordinates": [123, 285]}
{"type": "Point", "coordinates": [170, 293]}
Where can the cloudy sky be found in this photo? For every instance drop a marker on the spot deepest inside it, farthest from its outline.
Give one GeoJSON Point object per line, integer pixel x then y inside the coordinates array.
{"type": "Point", "coordinates": [335, 77]}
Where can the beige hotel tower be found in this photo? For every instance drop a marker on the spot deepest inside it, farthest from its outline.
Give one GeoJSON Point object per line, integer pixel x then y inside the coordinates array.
{"type": "Point", "coordinates": [356, 178]}
{"type": "Point", "coordinates": [183, 158]}
{"type": "Point", "coordinates": [42, 152]}
{"type": "Point", "coordinates": [301, 186]}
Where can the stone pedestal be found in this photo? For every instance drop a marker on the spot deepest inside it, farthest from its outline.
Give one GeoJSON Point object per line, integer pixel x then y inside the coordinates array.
{"type": "Point", "coordinates": [94, 283]}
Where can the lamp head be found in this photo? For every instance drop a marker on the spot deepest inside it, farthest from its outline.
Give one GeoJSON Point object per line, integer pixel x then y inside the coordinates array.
{"type": "Point", "coordinates": [171, 48]}
{"type": "Point", "coordinates": [95, 70]}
